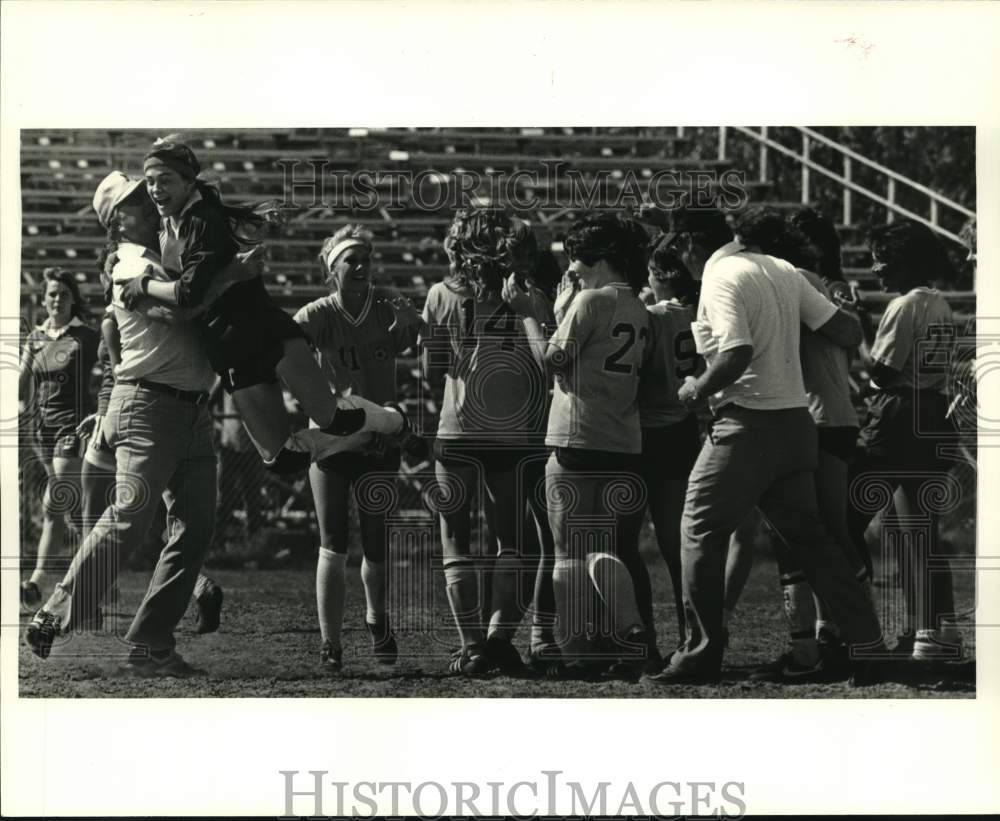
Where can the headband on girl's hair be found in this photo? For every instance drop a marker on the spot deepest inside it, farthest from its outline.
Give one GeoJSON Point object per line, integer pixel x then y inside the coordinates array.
{"type": "Point", "coordinates": [175, 156]}
{"type": "Point", "coordinates": [339, 248]}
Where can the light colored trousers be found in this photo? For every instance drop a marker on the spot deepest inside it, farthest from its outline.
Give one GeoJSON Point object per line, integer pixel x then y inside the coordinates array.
{"type": "Point", "coordinates": [767, 459]}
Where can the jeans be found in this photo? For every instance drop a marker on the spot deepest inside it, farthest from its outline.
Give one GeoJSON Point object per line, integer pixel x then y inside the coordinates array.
{"type": "Point", "coordinates": [163, 448]}
{"type": "Point", "coordinates": [765, 459]}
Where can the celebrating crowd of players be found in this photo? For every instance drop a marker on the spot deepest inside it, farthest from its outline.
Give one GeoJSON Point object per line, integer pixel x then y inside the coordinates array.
{"type": "Point", "coordinates": [701, 374]}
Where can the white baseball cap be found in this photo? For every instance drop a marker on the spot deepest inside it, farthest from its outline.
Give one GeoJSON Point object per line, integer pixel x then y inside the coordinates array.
{"type": "Point", "coordinates": [113, 189]}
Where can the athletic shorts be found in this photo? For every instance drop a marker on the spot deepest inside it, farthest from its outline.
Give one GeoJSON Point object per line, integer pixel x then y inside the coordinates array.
{"type": "Point", "coordinates": [98, 452]}
{"type": "Point", "coordinates": [585, 460]}
{"type": "Point", "coordinates": [491, 455]}
{"type": "Point", "coordinates": [839, 442]}
{"type": "Point", "coordinates": [57, 442]}
{"type": "Point", "coordinates": [245, 347]}
{"type": "Point", "coordinates": [904, 428]}
{"type": "Point", "coordinates": [670, 451]}
{"type": "Point", "coordinates": [353, 464]}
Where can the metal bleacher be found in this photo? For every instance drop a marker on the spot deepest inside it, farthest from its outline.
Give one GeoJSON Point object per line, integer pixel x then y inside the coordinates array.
{"type": "Point", "coordinates": [310, 167]}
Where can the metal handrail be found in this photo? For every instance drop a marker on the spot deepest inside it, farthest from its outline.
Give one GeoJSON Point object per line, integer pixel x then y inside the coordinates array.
{"type": "Point", "coordinates": [847, 182]}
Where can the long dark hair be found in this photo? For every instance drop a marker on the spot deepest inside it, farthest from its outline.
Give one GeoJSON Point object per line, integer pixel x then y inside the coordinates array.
{"type": "Point", "coordinates": [912, 249]}
{"type": "Point", "coordinates": [620, 241]}
{"type": "Point", "coordinates": [246, 223]}
{"type": "Point", "coordinates": [768, 230]}
{"type": "Point", "coordinates": [822, 234]}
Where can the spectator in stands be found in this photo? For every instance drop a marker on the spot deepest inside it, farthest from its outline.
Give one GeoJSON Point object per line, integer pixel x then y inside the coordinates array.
{"type": "Point", "coordinates": [908, 359]}
{"type": "Point", "coordinates": [54, 387]}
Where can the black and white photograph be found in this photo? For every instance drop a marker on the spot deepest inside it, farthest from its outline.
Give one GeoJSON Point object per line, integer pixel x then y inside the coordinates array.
{"type": "Point", "coordinates": [532, 412]}
{"type": "Point", "coordinates": [517, 408]}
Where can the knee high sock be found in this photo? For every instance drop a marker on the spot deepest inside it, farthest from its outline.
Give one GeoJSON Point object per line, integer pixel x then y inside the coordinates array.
{"type": "Point", "coordinates": [571, 586]}
{"type": "Point", "coordinates": [373, 579]}
{"type": "Point", "coordinates": [330, 594]}
{"type": "Point", "coordinates": [462, 587]}
{"type": "Point", "coordinates": [615, 587]}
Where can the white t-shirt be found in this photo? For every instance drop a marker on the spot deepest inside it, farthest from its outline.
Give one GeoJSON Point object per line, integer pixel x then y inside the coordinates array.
{"type": "Point", "coordinates": [915, 337]}
{"type": "Point", "coordinates": [758, 300]}
{"type": "Point", "coordinates": [169, 354]}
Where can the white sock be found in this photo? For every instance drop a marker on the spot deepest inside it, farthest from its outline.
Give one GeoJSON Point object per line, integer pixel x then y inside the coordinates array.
{"type": "Point", "coordinates": [373, 579]}
{"type": "Point", "coordinates": [377, 419]}
{"type": "Point", "coordinates": [614, 586]}
{"type": "Point", "coordinates": [462, 587]}
{"type": "Point", "coordinates": [800, 610]}
{"type": "Point", "coordinates": [572, 592]}
{"type": "Point", "coordinates": [330, 591]}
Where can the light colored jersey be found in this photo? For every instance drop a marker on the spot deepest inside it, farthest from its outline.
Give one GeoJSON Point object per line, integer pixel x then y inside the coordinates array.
{"type": "Point", "coordinates": [671, 358]}
{"type": "Point", "coordinates": [357, 353]}
{"type": "Point", "coordinates": [169, 354]}
{"type": "Point", "coordinates": [915, 337]}
{"type": "Point", "coordinates": [494, 388]}
{"type": "Point", "coordinates": [758, 300]}
{"type": "Point", "coordinates": [594, 404]}
{"type": "Point", "coordinates": [826, 369]}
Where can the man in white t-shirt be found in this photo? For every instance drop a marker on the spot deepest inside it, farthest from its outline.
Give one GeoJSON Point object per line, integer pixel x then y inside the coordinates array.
{"type": "Point", "coordinates": [762, 449]}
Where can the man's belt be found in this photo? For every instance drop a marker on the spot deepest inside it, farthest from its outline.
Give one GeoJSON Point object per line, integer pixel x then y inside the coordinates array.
{"type": "Point", "coordinates": [195, 397]}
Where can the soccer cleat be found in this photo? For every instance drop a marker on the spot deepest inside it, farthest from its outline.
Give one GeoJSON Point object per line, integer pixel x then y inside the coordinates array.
{"type": "Point", "coordinates": [41, 633]}
{"type": "Point", "coordinates": [676, 675]}
{"type": "Point", "coordinates": [869, 672]}
{"type": "Point", "coordinates": [503, 656]}
{"type": "Point", "coordinates": [31, 596]}
{"type": "Point", "coordinates": [209, 605]}
{"type": "Point", "coordinates": [146, 663]}
{"type": "Point", "coordinates": [937, 645]}
{"type": "Point", "coordinates": [383, 643]}
{"type": "Point", "coordinates": [471, 662]}
{"type": "Point", "coordinates": [546, 662]}
{"type": "Point", "coordinates": [904, 644]}
{"type": "Point", "coordinates": [331, 658]}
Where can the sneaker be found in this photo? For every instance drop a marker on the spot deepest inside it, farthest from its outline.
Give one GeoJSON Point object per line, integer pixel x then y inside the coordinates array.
{"type": "Point", "coordinates": [503, 655]}
{"type": "Point", "coordinates": [471, 662]}
{"type": "Point", "coordinates": [654, 662]}
{"type": "Point", "coordinates": [546, 662]}
{"type": "Point", "coordinates": [383, 643]}
{"type": "Point", "coordinates": [787, 670]}
{"type": "Point", "coordinates": [146, 663]}
{"type": "Point", "coordinates": [31, 596]}
{"type": "Point", "coordinates": [937, 645]}
{"type": "Point", "coordinates": [209, 605]}
{"type": "Point", "coordinates": [331, 659]}
{"type": "Point", "coordinates": [41, 633]}
{"type": "Point", "coordinates": [676, 675]}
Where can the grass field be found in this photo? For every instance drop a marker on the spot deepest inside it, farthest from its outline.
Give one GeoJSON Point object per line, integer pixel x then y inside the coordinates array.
{"type": "Point", "coordinates": [268, 646]}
